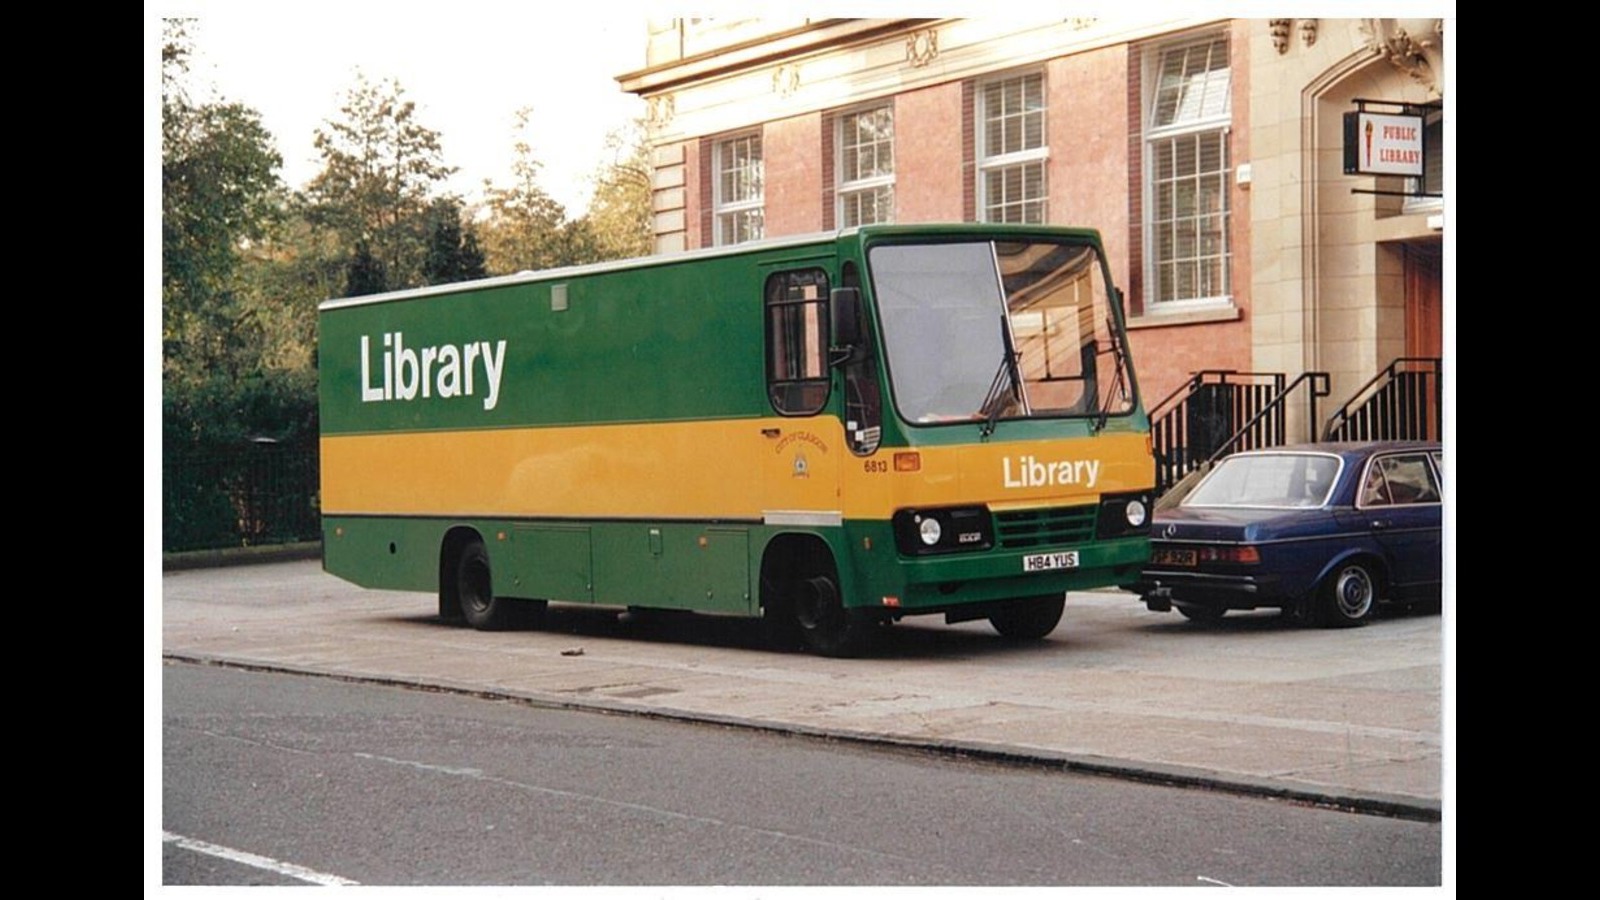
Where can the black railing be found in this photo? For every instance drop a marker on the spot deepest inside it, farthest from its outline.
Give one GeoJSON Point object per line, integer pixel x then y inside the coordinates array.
{"type": "Point", "coordinates": [1217, 412]}
{"type": "Point", "coordinates": [1268, 426]}
{"type": "Point", "coordinates": [252, 495]}
{"type": "Point", "coordinates": [1404, 402]}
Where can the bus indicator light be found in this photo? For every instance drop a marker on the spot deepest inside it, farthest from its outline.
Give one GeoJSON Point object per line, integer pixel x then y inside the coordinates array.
{"type": "Point", "coordinates": [908, 462]}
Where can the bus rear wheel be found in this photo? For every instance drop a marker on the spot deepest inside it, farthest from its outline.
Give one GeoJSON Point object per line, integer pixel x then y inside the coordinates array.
{"type": "Point", "coordinates": [474, 588]}
{"type": "Point", "coordinates": [826, 626]}
{"type": "Point", "coordinates": [1031, 619]}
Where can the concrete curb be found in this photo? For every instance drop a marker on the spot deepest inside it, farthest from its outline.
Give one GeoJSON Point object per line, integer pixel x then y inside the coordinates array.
{"type": "Point", "coordinates": [240, 556]}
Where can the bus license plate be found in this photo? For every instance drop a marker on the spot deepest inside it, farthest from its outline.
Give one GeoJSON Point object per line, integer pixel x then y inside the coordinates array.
{"type": "Point", "coordinates": [1044, 562]}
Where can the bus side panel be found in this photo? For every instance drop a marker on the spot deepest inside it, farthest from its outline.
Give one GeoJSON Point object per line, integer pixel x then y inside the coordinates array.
{"type": "Point", "coordinates": [386, 553]}
{"type": "Point", "coordinates": [549, 562]}
{"type": "Point", "coordinates": [665, 565]}
{"type": "Point", "coordinates": [673, 565]}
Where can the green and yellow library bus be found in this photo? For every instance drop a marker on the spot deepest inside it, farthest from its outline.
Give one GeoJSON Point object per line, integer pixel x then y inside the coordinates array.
{"type": "Point", "coordinates": [826, 432]}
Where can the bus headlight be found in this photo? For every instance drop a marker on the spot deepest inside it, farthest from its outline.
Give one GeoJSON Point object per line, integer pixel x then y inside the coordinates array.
{"type": "Point", "coordinates": [1135, 512]}
{"type": "Point", "coordinates": [1124, 515]}
{"type": "Point", "coordinates": [942, 529]}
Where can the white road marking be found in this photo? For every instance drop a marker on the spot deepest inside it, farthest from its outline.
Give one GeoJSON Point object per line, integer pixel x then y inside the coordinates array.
{"type": "Point", "coordinates": [251, 859]}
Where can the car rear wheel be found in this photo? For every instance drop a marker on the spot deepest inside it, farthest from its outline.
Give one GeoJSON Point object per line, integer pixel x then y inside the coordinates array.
{"type": "Point", "coordinates": [1348, 596]}
{"type": "Point", "coordinates": [1031, 619]}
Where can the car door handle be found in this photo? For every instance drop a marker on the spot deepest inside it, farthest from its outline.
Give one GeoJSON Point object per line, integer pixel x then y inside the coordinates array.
{"type": "Point", "coordinates": [1380, 524]}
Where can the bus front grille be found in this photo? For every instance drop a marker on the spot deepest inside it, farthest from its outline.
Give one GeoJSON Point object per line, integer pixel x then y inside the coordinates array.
{"type": "Point", "coordinates": [1021, 529]}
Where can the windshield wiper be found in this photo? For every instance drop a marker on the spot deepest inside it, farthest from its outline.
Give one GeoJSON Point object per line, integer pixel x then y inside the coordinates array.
{"type": "Point", "coordinates": [1119, 384]}
{"type": "Point", "coordinates": [1007, 376]}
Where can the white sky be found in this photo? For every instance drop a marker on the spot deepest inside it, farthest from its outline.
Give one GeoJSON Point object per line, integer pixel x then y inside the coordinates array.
{"type": "Point", "coordinates": [468, 65]}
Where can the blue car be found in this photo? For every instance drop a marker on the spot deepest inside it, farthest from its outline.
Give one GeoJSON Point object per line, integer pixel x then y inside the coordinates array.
{"type": "Point", "coordinates": [1324, 532]}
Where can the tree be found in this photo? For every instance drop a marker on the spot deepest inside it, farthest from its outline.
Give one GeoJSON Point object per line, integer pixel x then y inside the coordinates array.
{"type": "Point", "coordinates": [366, 273]}
{"type": "Point", "coordinates": [219, 192]}
{"type": "Point", "coordinates": [526, 228]}
{"type": "Point", "coordinates": [453, 254]}
{"type": "Point", "coordinates": [380, 169]}
{"type": "Point", "coordinates": [620, 215]}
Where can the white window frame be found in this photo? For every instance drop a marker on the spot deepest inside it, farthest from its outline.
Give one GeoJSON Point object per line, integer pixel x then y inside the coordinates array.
{"type": "Point", "coordinates": [1020, 159]}
{"type": "Point", "coordinates": [1209, 115]}
{"type": "Point", "coordinates": [873, 185]}
{"type": "Point", "coordinates": [726, 210]}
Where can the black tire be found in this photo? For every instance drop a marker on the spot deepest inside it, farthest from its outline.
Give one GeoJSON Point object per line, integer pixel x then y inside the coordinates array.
{"type": "Point", "coordinates": [1030, 619]}
{"type": "Point", "coordinates": [1200, 613]}
{"type": "Point", "coordinates": [1348, 596]}
{"type": "Point", "coordinates": [474, 588]}
{"type": "Point", "coordinates": [827, 628]}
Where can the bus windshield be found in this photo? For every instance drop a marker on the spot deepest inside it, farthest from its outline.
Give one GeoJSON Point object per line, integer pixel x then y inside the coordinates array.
{"type": "Point", "coordinates": [990, 330]}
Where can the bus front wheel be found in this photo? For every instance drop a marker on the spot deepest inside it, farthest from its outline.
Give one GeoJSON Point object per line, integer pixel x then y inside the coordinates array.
{"type": "Point", "coordinates": [1031, 619]}
{"type": "Point", "coordinates": [827, 627]}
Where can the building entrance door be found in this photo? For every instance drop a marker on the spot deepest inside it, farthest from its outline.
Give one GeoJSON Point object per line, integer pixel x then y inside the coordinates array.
{"type": "Point", "coordinates": [1424, 274]}
{"type": "Point", "coordinates": [1424, 278]}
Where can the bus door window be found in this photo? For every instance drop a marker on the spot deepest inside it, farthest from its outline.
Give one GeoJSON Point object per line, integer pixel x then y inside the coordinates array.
{"type": "Point", "coordinates": [863, 405]}
{"type": "Point", "coordinates": [797, 357]}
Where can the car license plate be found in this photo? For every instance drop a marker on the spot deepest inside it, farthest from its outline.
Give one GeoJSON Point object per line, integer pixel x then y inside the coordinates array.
{"type": "Point", "coordinates": [1174, 557]}
{"type": "Point", "coordinates": [1044, 562]}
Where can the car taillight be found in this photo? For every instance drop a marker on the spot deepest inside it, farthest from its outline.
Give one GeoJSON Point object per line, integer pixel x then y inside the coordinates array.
{"type": "Point", "coordinates": [1242, 555]}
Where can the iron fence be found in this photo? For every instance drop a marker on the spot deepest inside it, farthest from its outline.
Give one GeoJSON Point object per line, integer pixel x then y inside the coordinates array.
{"type": "Point", "coordinates": [252, 495]}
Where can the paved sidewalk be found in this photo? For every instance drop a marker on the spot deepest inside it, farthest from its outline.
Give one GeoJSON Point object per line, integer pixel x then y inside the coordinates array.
{"type": "Point", "coordinates": [1351, 718]}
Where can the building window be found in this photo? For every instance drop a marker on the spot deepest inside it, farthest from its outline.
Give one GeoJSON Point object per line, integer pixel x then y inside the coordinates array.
{"type": "Point", "coordinates": [866, 166]}
{"type": "Point", "coordinates": [1012, 151]}
{"type": "Point", "coordinates": [1188, 165]}
{"type": "Point", "coordinates": [738, 190]}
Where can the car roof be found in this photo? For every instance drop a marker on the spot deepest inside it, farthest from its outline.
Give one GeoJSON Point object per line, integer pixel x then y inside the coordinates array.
{"type": "Point", "coordinates": [1349, 449]}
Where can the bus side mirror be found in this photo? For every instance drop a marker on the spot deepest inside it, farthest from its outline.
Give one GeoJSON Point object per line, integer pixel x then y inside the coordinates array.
{"type": "Point", "coordinates": [845, 311]}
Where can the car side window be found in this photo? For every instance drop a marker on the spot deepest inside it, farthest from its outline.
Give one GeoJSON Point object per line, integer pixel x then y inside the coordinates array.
{"type": "Point", "coordinates": [1399, 480]}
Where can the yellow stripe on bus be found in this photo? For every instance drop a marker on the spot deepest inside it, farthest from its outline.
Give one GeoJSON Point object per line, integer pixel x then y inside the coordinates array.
{"type": "Point", "coordinates": [725, 469]}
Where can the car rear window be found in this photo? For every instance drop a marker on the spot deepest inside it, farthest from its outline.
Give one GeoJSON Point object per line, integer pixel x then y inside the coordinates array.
{"type": "Point", "coordinates": [1290, 480]}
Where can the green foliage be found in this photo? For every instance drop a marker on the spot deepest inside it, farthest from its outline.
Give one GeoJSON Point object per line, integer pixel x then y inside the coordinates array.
{"type": "Point", "coordinates": [380, 168]}
{"type": "Point", "coordinates": [526, 228]}
{"type": "Point", "coordinates": [219, 192]}
{"type": "Point", "coordinates": [285, 277]}
{"type": "Point", "coordinates": [619, 216]}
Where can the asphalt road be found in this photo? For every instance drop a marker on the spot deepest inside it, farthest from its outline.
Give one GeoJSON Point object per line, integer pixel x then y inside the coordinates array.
{"type": "Point", "coordinates": [276, 779]}
{"type": "Point", "coordinates": [1351, 718]}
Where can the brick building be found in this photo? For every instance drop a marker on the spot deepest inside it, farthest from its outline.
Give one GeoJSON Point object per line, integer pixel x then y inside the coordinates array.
{"type": "Point", "coordinates": [1208, 152]}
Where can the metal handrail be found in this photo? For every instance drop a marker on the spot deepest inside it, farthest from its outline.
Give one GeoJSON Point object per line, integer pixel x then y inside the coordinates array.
{"type": "Point", "coordinates": [1404, 401]}
{"type": "Point", "coordinates": [1178, 450]}
{"type": "Point", "coordinates": [1320, 386]}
